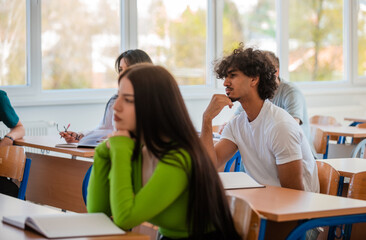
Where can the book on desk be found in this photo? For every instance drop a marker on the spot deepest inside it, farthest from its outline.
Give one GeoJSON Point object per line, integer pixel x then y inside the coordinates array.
{"type": "Point", "coordinates": [62, 225]}
{"type": "Point", "coordinates": [235, 180]}
{"type": "Point", "coordinates": [90, 140]}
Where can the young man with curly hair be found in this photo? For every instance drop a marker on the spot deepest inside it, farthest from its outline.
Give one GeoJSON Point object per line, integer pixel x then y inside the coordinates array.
{"type": "Point", "coordinates": [273, 147]}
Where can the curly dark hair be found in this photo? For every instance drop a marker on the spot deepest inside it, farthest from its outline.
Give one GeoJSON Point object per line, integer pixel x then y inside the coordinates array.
{"type": "Point", "coordinates": [252, 63]}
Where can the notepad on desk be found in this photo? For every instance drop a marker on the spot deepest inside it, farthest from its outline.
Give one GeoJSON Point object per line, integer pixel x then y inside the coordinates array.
{"type": "Point", "coordinates": [67, 145]}
{"type": "Point", "coordinates": [234, 180]}
{"type": "Point", "coordinates": [94, 138]}
{"type": "Point", "coordinates": [64, 225]}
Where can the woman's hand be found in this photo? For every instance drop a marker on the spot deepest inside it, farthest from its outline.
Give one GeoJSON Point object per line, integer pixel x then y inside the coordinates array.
{"type": "Point", "coordinates": [71, 137]}
{"type": "Point", "coordinates": [118, 133]}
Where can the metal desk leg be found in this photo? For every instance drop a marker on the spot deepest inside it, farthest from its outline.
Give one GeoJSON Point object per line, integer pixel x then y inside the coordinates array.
{"type": "Point", "coordinates": [300, 230]}
{"type": "Point", "coordinates": [262, 229]}
{"type": "Point", "coordinates": [325, 156]}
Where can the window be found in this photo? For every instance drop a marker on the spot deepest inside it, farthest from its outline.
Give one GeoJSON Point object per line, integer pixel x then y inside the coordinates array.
{"type": "Point", "coordinates": [12, 43]}
{"type": "Point", "coordinates": [316, 40]}
{"type": "Point", "coordinates": [361, 33]}
{"type": "Point", "coordinates": [173, 33]}
{"type": "Point", "coordinates": [251, 22]}
{"type": "Point", "coordinates": [72, 45]}
{"type": "Point", "coordinates": [80, 42]}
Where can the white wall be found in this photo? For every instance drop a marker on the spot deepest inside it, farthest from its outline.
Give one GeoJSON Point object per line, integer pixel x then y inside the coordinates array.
{"type": "Point", "coordinates": [85, 116]}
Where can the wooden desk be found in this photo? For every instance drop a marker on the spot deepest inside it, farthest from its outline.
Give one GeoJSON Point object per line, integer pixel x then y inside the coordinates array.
{"type": "Point", "coordinates": [49, 142]}
{"type": "Point", "coordinates": [355, 120]}
{"type": "Point", "coordinates": [339, 131]}
{"type": "Point", "coordinates": [13, 206]}
{"type": "Point", "coordinates": [343, 131]}
{"type": "Point", "coordinates": [53, 180]}
{"type": "Point", "coordinates": [285, 208]}
{"type": "Point", "coordinates": [347, 166]}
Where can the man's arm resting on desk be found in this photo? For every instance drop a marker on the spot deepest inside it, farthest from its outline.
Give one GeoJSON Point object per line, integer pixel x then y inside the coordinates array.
{"type": "Point", "coordinates": [290, 175]}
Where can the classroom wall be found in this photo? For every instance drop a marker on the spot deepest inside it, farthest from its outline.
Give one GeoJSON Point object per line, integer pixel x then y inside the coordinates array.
{"type": "Point", "coordinates": [86, 116]}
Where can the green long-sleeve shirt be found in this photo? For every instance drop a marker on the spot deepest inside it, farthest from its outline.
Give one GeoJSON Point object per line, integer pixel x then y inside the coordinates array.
{"type": "Point", "coordinates": [115, 188]}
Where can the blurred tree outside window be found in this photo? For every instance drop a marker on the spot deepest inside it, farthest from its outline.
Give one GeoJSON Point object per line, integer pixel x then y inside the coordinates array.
{"type": "Point", "coordinates": [316, 40]}
{"type": "Point", "coordinates": [80, 39]}
{"type": "Point", "coordinates": [361, 33]}
{"type": "Point", "coordinates": [12, 43]}
{"type": "Point", "coordinates": [252, 22]}
{"type": "Point", "coordinates": [80, 43]}
{"type": "Point", "coordinates": [173, 33]}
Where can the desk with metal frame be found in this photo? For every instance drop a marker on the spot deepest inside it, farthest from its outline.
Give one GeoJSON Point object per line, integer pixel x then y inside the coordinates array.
{"type": "Point", "coordinates": [341, 131]}
{"type": "Point", "coordinates": [355, 120]}
{"type": "Point", "coordinates": [56, 180]}
{"type": "Point", "coordinates": [290, 213]}
{"type": "Point", "coordinates": [346, 168]}
{"type": "Point", "coordinates": [10, 206]}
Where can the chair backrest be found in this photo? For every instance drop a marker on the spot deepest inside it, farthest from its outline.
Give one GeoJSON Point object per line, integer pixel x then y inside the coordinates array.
{"type": "Point", "coordinates": [328, 178]}
{"type": "Point", "coordinates": [12, 161]}
{"type": "Point", "coordinates": [319, 139]}
{"type": "Point", "coordinates": [323, 120]}
{"type": "Point", "coordinates": [237, 159]}
{"type": "Point", "coordinates": [15, 165]}
{"type": "Point", "coordinates": [247, 221]}
{"type": "Point", "coordinates": [86, 183]}
{"type": "Point", "coordinates": [357, 186]}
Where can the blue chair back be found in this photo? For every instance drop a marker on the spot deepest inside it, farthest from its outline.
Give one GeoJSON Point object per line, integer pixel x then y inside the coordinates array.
{"type": "Point", "coordinates": [237, 159]}
{"type": "Point", "coordinates": [85, 183]}
{"type": "Point", "coordinates": [24, 182]}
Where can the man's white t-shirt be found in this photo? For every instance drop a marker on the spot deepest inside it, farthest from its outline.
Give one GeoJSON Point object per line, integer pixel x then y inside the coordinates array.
{"type": "Point", "coordinates": [273, 138]}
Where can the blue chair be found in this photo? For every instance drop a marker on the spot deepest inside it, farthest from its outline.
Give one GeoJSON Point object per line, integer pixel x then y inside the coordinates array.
{"type": "Point", "coordinates": [85, 183]}
{"type": "Point", "coordinates": [24, 182]}
{"type": "Point", "coordinates": [237, 159]}
{"type": "Point", "coordinates": [15, 165]}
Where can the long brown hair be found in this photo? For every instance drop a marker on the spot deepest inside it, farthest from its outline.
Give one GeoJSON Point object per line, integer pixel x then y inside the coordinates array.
{"type": "Point", "coordinates": [163, 122]}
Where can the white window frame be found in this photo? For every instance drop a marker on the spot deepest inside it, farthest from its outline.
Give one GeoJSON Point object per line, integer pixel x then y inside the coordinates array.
{"type": "Point", "coordinates": [32, 93]}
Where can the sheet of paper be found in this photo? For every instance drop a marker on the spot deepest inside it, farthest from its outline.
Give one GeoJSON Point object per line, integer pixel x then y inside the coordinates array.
{"type": "Point", "coordinates": [233, 180]}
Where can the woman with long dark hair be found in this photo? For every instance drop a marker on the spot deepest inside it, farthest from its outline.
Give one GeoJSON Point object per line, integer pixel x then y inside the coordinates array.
{"type": "Point", "coordinates": [183, 195]}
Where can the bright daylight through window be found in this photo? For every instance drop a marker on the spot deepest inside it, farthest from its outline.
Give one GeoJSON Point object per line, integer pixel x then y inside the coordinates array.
{"type": "Point", "coordinates": [12, 43]}
{"type": "Point", "coordinates": [73, 44]}
{"type": "Point", "coordinates": [174, 35]}
{"type": "Point", "coordinates": [80, 42]}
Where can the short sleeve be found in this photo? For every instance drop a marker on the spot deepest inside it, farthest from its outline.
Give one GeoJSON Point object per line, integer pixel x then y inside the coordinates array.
{"type": "Point", "coordinates": [286, 142]}
{"type": "Point", "coordinates": [7, 112]}
{"type": "Point", "coordinates": [228, 132]}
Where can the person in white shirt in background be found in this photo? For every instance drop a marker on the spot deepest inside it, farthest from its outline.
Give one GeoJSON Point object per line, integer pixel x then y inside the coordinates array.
{"type": "Point", "coordinates": [273, 146]}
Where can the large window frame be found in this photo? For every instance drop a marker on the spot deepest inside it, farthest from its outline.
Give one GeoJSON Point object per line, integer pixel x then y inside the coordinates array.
{"type": "Point", "coordinates": [32, 93]}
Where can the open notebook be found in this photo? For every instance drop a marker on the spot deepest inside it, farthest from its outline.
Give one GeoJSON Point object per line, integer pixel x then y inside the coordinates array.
{"type": "Point", "coordinates": [233, 180]}
{"type": "Point", "coordinates": [63, 225]}
{"type": "Point", "coordinates": [90, 140]}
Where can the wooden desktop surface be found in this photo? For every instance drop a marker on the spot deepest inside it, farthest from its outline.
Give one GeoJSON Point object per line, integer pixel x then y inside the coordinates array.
{"type": "Point", "coordinates": [13, 206]}
{"type": "Point", "coordinates": [283, 204]}
{"type": "Point", "coordinates": [355, 119]}
{"type": "Point", "coordinates": [49, 142]}
{"type": "Point", "coordinates": [342, 131]}
{"type": "Point", "coordinates": [347, 166]}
